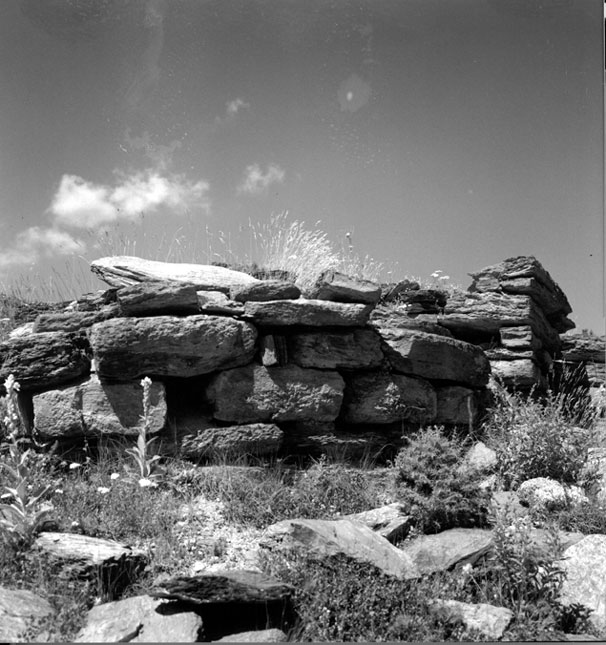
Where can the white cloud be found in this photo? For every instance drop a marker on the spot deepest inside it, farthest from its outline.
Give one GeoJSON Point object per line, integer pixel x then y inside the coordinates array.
{"type": "Point", "coordinates": [82, 204]}
{"type": "Point", "coordinates": [234, 106]}
{"type": "Point", "coordinates": [36, 242]}
{"type": "Point", "coordinates": [256, 182]}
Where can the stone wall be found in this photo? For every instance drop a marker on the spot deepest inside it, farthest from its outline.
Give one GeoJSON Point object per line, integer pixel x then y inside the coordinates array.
{"type": "Point", "coordinates": [242, 364]}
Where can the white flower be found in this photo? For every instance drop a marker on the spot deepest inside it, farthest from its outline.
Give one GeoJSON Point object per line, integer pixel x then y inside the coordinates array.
{"type": "Point", "coordinates": [144, 482]}
{"type": "Point", "coordinates": [114, 476]}
{"type": "Point", "coordinates": [75, 524]}
{"type": "Point", "coordinates": [59, 491]}
{"type": "Point", "coordinates": [74, 465]}
{"type": "Point", "coordinates": [102, 490]}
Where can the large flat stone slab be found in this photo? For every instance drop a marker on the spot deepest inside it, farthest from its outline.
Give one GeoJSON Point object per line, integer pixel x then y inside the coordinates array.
{"type": "Point", "coordinates": [128, 348]}
{"type": "Point", "coordinates": [140, 619]}
{"type": "Point", "coordinates": [307, 313]}
{"type": "Point", "coordinates": [95, 408]}
{"type": "Point", "coordinates": [41, 361]}
{"type": "Point", "coordinates": [338, 287]}
{"type": "Point", "coordinates": [442, 551]}
{"type": "Point", "coordinates": [157, 298]}
{"type": "Point", "coordinates": [261, 394]}
{"type": "Point", "coordinates": [18, 609]}
{"type": "Point", "coordinates": [349, 350]}
{"type": "Point", "coordinates": [319, 539]}
{"type": "Point", "coordinates": [124, 270]}
{"type": "Point", "coordinates": [435, 357]}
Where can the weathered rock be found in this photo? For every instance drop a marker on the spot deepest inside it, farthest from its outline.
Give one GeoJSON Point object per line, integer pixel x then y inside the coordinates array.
{"type": "Point", "coordinates": [525, 275]}
{"type": "Point", "coordinates": [422, 301]}
{"type": "Point", "coordinates": [307, 313]}
{"type": "Point", "coordinates": [266, 290]}
{"type": "Point", "coordinates": [356, 349]}
{"type": "Point", "coordinates": [140, 619]}
{"type": "Point", "coordinates": [585, 583]}
{"type": "Point", "coordinates": [549, 494]}
{"type": "Point", "coordinates": [26, 329]}
{"type": "Point", "coordinates": [519, 338]}
{"type": "Point", "coordinates": [157, 298]}
{"type": "Point", "coordinates": [522, 373]}
{"type": "Point", "coordinates": [390, 318]}
{"type": "Point", "coordinates": [457, 405]}
{"type": "Point", "coordinates": [257, 636]}
{"type": "Point", "coordinates": [122, 271]}
{"type": "Point", "coordinates": [94, 409]}
{"type": "Point", "coordinates": [115, 565]}
{"type": "Point", "coordinates": [319, 539]}
{"type": "Point", "coordinates": [45, 360]}
{"type": "Point", "coordinates": [18, 610]}
{"type": "Point", "coordinates": [128, 348]}
{"type": "Point", "coordinates": [470, 314]}
{"type": "Point", "coordinates": [480, 459]}
{"type": "Point", "coordinates": [338, 287]}
{"type": "Point", "coordinates": [487, 619]}
{"type": "Point", "coordinates": [216, 302]}
{"type": "Point", "coordinates": [435, 357]}
{"type": "Point", "coordinates": [577, 347]}
{"type": "Point", "coordinates": [386, 398]}
{"type": "Point", "coordinates": [443, 551]}
{"type": "Point", "coordinates": [259, 394]}
{"type": "Point", "coordinates": [253, 439]}
{"type": "Point", "coordinates": [390, 521]}
{"type": "Point", "coordinates": [71, 321]}
{"type": "Point", "coordinates": [261, 602]}
{"type": "Point", "coordinates": [390, 292]}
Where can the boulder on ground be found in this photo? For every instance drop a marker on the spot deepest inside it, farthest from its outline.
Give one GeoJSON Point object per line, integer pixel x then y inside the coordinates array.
{"type": "Point", "coordinates": [123, 271]}
{"type": "Point", "coordinates": [548, 494]}
{"type": "Point", "coordinates": [251, 439]}
{"type": "Point", "coordinates": [45, 360]}
{"type": "Point", "coordinates": [140, 619]}
{"type": "Point", "coordinates": [321, 539]}
{"type": "Point", "coordinates": [128, 348]}
{"type": "Point", "coordinates": [480, 459]}
{"type": "Point", "coordinates": [233, 600]}
{"type": "Point", "coordinates": [379, 398]}
{"type": "Point", "coordinates": [390, 521]}
{"type": "Point", "coordinates": [115, 565]}
{"type": "Point", "coordinates": [307, 313]}
{"type": "Point", "coordinates": [256, 393]}
{"type": "Point", "coordinates": [435, 357]}
{"type": "Point", "coordinates": [338, 287]}
{"type": "Point", "coordinates": [443, 551]}
{"type": "Point", "coordinates": [356, 349]}
{"type": "Point", "coordinates": [258, 636]}
{"type": "Point", "coordinates": [487, 619]}
{"type": "Point", "coordinates": [265, 290]}
{"type": "Point", "coordinates": [95, 408]}
{"type": "Point", "coordinates": [20, 608]}
{"type": "Point", "coordinates": [585, 583]}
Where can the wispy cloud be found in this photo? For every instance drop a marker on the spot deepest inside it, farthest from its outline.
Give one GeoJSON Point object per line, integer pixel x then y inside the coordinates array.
{"type": "Point", "coordinates": [37, 242]}
{"type": "Point", "coordinates": [256, 182]}
{"type": "Point", "coordinates": [83, 204]}
{"type": "Point", "coordinates": [231, 110]}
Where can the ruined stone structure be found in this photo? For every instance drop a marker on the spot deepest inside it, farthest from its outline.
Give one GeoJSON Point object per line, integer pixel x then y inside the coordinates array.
{"type": "Point", "coordinates": [242, 364]}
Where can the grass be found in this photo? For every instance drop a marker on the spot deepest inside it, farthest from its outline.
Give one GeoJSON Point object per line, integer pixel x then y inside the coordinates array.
{"type": "Point", "coordinates": [197, 516]}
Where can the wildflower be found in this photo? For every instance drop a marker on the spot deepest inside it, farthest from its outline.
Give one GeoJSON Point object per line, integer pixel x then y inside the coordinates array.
{"type": "Point", "coordinates": [75, 524]}
{"type": "Point", "coordinates": [74, 465]}
{"type": "Point", "coordinates": [144, 482]}
{"type": "Point", "coordinates": [102, 490]}
{"type": "Point", "coordinates": [114, 476]}
{"type": "Point", "coordinates": [59, 491]}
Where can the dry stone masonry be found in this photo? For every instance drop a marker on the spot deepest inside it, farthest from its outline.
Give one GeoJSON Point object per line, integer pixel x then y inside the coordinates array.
{"type": "Point", "coordinates": [239, 363]}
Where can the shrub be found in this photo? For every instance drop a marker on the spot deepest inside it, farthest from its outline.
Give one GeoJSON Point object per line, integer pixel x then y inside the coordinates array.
{"type": "Point", "coordinates": [430, 480]}
{"type": "Point", "coordinates": [337, 599]}
{"type": "Point", "coordinates": [535, 438]}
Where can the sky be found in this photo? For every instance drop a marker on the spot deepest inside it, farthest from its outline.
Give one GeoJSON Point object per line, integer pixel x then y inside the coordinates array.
{"type": "Point", "coordinates": [440, 134]}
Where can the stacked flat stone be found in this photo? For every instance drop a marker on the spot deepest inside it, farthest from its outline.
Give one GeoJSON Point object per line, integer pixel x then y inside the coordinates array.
{"type": "Point", "coordinates": [239, 364]}
{"type": "Point", "coordinates": [516, 312]}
